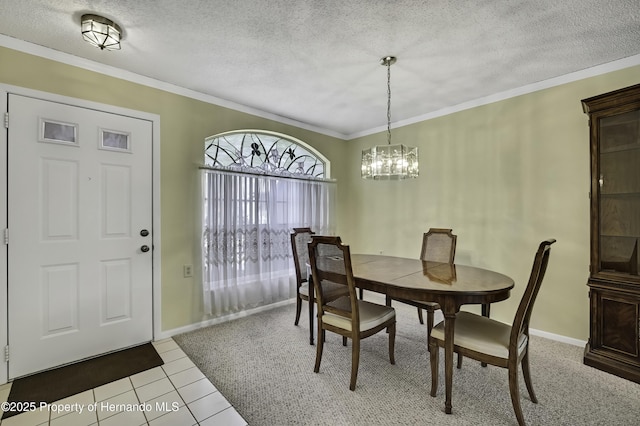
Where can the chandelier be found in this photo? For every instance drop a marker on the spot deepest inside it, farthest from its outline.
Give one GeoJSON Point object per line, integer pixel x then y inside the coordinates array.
{"type": "Point", "coordinates": [101, 32]}
{"type": "Point", "coordinates": [389, 162]}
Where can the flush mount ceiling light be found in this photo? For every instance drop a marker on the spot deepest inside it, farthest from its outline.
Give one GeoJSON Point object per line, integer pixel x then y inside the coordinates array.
{"type": "Point", "coordinates": [101, 32]}
{"type": "Point", "coordinates": [387, 162]}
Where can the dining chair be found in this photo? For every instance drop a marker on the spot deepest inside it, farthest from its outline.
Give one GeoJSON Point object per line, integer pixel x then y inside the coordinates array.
{"type": "Point", "coordinates": [348, 315]}
{"type": "Point", "coordinates": [300, 238]}
{"type": "Point", "coordinates": [494, 342]}
{"type": "Point", "coordinates": [438, 245]}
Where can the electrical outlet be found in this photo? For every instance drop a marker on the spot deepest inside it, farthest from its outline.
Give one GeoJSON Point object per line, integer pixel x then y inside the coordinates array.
{"type": "Point", "coordinates": [187, 271]}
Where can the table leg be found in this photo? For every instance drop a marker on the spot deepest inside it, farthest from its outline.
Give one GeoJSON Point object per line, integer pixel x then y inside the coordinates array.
{"type": "Point", "coordinates": [486, 311]}
{"type": "Point", "coordinates": [449, 328]}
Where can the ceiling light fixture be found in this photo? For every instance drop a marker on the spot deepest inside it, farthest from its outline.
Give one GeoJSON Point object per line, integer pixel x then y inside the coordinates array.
{"type": "Point", "coordinates": [101, 32]}
{"type": "Point", "coordinates": [389, 162]}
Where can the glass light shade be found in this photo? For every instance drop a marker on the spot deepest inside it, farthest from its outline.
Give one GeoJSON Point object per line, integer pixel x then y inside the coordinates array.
{"type": "Point", "coordinates": [100, 32]}
{"type": "Point", "coordinates": [390, 162]}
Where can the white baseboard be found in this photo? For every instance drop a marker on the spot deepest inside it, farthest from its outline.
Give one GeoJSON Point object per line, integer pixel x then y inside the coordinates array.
{"type": "Point", "coordinates": [438, 318]}
{"type": "Point", "coordinates": [219, 320]}
{"type": "Point", "coordinates": [558, 337]}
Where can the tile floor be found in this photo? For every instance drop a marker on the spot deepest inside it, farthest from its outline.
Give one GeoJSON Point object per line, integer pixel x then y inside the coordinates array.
{"type": "Point", "coordinates": [174, 394]}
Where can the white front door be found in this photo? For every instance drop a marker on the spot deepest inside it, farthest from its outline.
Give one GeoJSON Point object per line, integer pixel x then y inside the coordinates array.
{"type": "Point", "coordinates": [80, 242]}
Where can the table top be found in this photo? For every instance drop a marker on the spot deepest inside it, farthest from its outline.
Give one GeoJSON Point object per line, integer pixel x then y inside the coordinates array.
{"type": "Point", "coordinates": [429, 281]}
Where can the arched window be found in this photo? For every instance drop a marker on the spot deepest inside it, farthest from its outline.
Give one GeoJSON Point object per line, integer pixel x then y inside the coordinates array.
{"type": "Point", "coordinates": [256, 187]}
{"type": "Point", "coordinates": [264, 152]}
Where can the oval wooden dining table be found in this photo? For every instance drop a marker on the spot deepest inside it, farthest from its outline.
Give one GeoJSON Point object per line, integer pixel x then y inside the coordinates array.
{"type": "Point", "coordinates": [450, 285]}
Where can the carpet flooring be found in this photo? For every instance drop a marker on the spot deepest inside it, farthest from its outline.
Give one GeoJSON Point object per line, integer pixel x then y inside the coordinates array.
{"type": "Point", "coordinates": [53, 385]}
{"type": "Point", "coordinates": [263, 365]}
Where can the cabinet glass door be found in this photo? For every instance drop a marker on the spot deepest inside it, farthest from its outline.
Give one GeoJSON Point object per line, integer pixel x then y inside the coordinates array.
{"type": "Point", "coordinates": [619, 184]}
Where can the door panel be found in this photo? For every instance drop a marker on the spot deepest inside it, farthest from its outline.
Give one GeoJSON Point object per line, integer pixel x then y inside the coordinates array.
{"type": "Point", "coordinates": [80, 190]}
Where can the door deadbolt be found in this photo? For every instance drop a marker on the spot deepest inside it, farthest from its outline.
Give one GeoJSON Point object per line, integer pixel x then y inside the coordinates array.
{"type": "Point", "coordinates": [144, 232]}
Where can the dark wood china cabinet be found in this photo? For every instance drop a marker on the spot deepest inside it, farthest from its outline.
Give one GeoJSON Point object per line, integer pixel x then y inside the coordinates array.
{"type": "Point", "coordinates": [614, 283]}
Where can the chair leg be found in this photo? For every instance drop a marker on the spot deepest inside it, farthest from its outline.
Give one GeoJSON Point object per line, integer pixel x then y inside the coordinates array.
{"type": "Point", "coordinates": [344, 340]}
{"type": "Point", "coordinates": [459, 361]}
{"type": "Point", "coordinates": [515, 392]}
{"type": "Point", "coordinates": [433, 360]}
{"type": "Point", "coordinates": [355, 360]}
{"type": "Point", "coordinates": [527, 377]}
{"type": "Point", "coordinates": [361, 294]}
{"type": "Point", "coordinates": [319, 347]}
{"type": "Point", "coordinates": [298, 309]}
{"type": "Point", "coordinates": [392, 343]}
{"type": "Point", "coordinates": [420, 316]}
{"type": "Point", "coordinates": [311, 304]}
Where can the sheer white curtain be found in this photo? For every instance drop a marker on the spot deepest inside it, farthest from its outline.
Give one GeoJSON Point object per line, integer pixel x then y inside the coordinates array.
{"type": "Point", "coordinates": [246, 225]}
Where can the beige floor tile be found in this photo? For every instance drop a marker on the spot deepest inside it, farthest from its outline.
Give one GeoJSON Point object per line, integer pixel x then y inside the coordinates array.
{"type": "Point", "coordinates": [172, 355]}
{"type": "Point", "coordinates": [148, 376]}
{"type": "Point", "coordinates": [112, 389]}
{"type": "Point", "coordinates": [83, 418]}
{"type": "Point", "coordinates": [165, 345]}
{"type": "Point", "coordinates": [177, 366]}
{"type": "Point", "coordinates": [227, 417]}
{"type": "Point", "coordinates": [126, 418]}
{"type": "Point", "coordinates": [208, 406]}
{"type": "Point", "coordinates": [196, 390]}
{"type": "Point", "coordinates": [153, 390]}
{"type": "Point", "coordinates": [30, 418]}
{"type": "Point", "coordinates": [75, 403]}
{"type": "Point", "coordinates": [4, 392]}
{"type": "Point", "coordinates": [185, 377]}
{"type": "Point", "coordinates": [182, 417]}
{"type": "Point", "coordinates": [116, 404]}
{"type": "Point", "coordinates": [164, 404]}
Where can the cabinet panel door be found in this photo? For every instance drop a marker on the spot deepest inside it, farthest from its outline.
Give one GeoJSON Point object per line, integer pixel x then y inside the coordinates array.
{"type": "Point", "coordinates": [620, 325]}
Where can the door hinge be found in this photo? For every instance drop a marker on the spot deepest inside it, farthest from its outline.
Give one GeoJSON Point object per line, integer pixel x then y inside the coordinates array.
{"type": "Point", "coordinates": [6, 236]}
{"type": "Point", "coordinates": [6, 353]}
{"type": "Point", "coordinates": [6, 120]}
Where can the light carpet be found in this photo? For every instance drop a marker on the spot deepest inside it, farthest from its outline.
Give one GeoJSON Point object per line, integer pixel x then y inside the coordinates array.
{"type": "Point", "coordinates": [263, 365]}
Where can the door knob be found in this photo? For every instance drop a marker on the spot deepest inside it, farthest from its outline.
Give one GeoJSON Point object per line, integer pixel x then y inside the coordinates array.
{"type": "Point", "coordinates": [144, 248]}
{"type": "Point", "coordinates": [144, 232]}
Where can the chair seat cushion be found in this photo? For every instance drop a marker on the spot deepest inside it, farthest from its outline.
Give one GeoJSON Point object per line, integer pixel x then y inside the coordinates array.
{"type": "Point", "coordinates": [371, 314]}
{"type": "Point", "coordinates": [331, 290]}
{"type": "Point", "coordinates": [481, 334]}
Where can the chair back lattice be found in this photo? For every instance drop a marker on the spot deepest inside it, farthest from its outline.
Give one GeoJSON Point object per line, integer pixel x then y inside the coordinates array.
{"type": "Point", "coordinates": [331, 263]}
{"type": "Point", "coordinates": [438, 245]}
{"type": "Point", "coordinates": [299, 246]}
{"type": "Point", "coordinates": [523, 314]}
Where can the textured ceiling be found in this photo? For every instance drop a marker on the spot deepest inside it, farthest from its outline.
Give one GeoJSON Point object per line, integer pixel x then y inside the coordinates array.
{"type": "Point", "coordinates": [318, 61]}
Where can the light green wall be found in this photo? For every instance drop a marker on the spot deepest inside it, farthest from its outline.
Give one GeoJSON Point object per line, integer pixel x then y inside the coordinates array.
{"type": "Point", "coordinates": [184, 123]}
{"type": "Point", "coordinates": [504, 176]}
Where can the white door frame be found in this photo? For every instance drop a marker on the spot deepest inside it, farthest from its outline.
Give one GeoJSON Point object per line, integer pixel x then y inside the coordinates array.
{"type": "Point", "coordinates": [155, 119]}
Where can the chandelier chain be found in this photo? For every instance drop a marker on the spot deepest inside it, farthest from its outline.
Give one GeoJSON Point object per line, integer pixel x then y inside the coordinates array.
{"type": "Point", "coordinates": [389, 102]}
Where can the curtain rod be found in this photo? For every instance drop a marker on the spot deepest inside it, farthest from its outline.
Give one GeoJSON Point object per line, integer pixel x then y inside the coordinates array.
{"type": "Point", "coordinates": [243, 172]}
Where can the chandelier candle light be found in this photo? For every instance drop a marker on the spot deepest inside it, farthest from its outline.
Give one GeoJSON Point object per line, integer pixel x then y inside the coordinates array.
{"type": "Point", "coordinates": [389, 162]}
